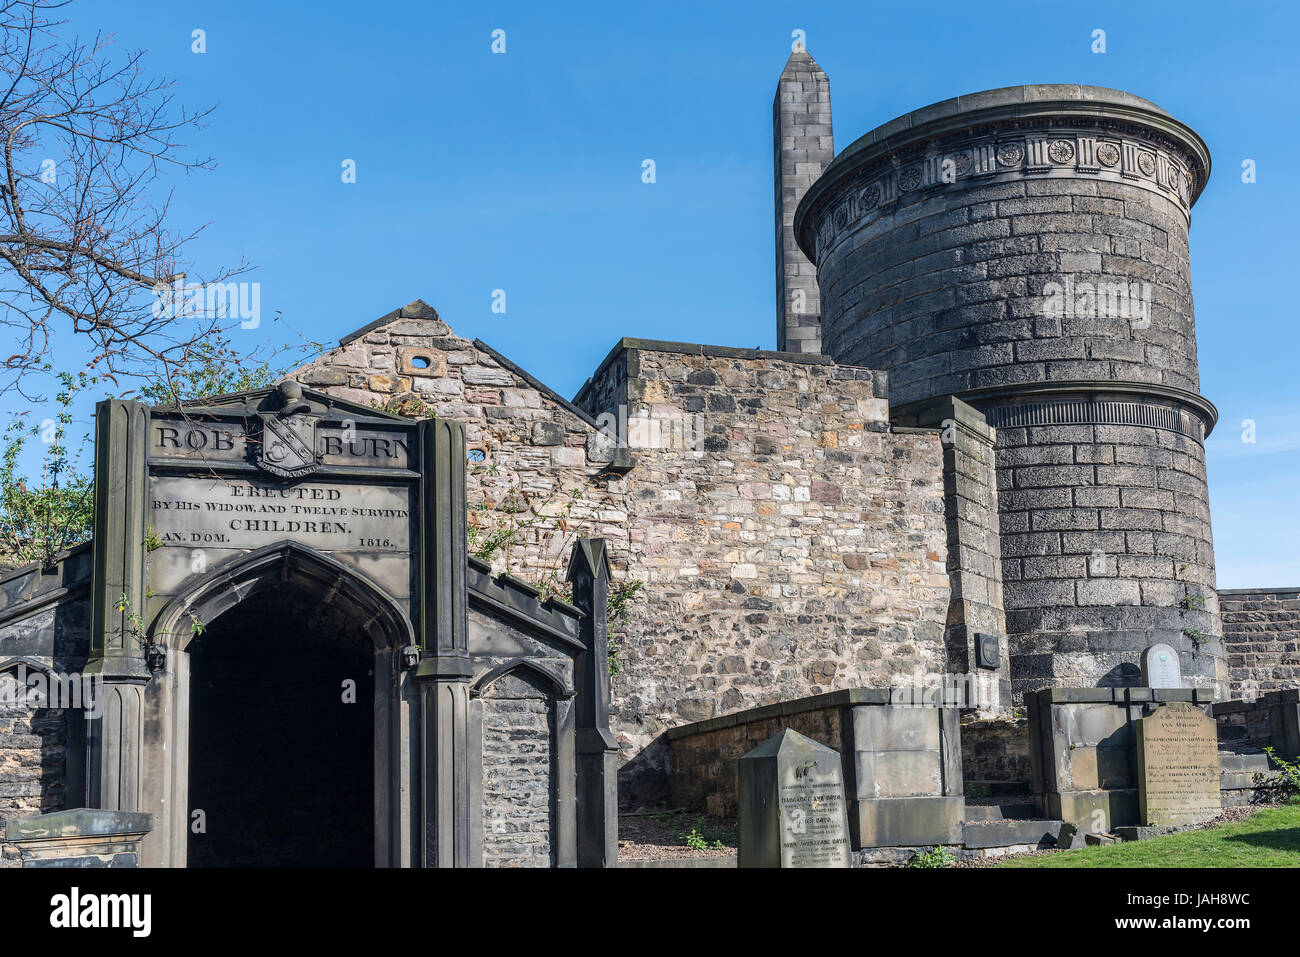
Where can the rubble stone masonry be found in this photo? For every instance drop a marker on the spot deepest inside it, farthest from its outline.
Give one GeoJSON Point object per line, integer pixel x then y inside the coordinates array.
{"type": "Point", "coordinates": [789, 543]}
{"type": "Point", "coordinates": [799, 549]}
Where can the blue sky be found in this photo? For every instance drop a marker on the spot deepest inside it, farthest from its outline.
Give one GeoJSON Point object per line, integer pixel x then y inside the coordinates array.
{"type": "Point", "coordinates": [522, 171]}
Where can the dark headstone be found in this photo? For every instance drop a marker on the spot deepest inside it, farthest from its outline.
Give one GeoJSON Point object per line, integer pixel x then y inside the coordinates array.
{"type": "Point", "coordinates": [792, 810]}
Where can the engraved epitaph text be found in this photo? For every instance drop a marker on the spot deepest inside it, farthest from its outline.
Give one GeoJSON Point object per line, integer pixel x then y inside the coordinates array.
{"type": "Point", "coordinates": [1178, 766]}
{"type": "Point", "coordinates": [792, 810]}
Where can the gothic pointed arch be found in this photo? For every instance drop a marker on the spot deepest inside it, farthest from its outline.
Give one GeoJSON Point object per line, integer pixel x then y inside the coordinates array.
{"type": "Point", "coordinates": [551, 675]}
{"type": "Point", "coordinates": [275, 566]}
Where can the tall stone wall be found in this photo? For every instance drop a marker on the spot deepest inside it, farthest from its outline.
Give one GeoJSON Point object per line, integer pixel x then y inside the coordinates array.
{"type": "Point", "coordinates": [800, 549]}
{"type": "Point", "coordinates": [1026, 250]}
{"type": "Point", "coordinates": [705, 765]}
{"type": "Point", "coordinates": [538, 467]}
{"type": "Point", "coordinates": [1261, 634]}
{"type": "Point", "coordinates": [33, 754]}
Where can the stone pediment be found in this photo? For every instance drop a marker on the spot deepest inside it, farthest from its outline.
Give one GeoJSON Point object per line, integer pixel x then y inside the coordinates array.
{"type": "Point", "coordinates": [268, 399]}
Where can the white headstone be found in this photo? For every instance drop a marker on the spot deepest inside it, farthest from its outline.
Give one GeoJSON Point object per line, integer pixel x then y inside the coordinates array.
{"type": "Point", "coordinates": [792, 810]}
{"type": "Point", "coordinates": [1160, 668]}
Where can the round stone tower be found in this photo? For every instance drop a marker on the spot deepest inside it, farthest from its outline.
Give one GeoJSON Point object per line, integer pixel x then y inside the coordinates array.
{"type": "Point", "coordinates": [1025, 249]}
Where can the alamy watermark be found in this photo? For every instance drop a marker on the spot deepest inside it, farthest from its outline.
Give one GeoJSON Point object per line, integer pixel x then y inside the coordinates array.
{"type": "Point", "coordinates": [657, 429]}
{"type": "Point", "coordinates": [942, 689]}
{"type": "Point", "coordinates": [1081, 297]}
{"type": "Point", "coordinates": [213, 300]}
{"type": "Point", "coordinates": [52, 689]}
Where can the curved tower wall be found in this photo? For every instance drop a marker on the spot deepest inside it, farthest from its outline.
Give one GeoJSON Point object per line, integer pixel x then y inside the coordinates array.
{"type": "Point", "coordinates": [1026, 249]}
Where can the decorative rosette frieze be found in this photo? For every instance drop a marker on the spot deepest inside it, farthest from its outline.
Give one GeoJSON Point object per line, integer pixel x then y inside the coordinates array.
{"type": "Point", "coordinates": [1097, 153]}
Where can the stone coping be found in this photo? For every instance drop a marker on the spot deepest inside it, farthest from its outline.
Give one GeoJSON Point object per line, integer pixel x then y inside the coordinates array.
{"type": "Point", "coordinates": [78, 823]}
{"type": "Point", "coordinates": [1285, 696]}
{"type": "Point", "coordinates": [989, 108]}
{"type": "Point", "coordinates": [931, 413]}
{"type": "Point", "coordinates": [829, 699]}
{"type": "Point", "coordinates": [1122, 695]}
{"type": "Point", "coordinates": [537, 384]}
{"type": "Point", "coordinates": [628, 344]}
{"type": "Point", "coordinates": [29, 588]}
{"type": "Point", "coordinates": [520, 600]}
{"type": "Point", "coordinates": [1271, 592]}
{"type": "Point", "coordinates": [419, 309]}
{"type": "Point", "coordinates": [28, 567]}
{"type": "Point", "coordinates": [243, 405]}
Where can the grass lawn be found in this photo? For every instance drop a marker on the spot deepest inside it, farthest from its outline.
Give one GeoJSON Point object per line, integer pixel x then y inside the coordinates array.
{"type": "Point", "coordinates": [1270, 838]}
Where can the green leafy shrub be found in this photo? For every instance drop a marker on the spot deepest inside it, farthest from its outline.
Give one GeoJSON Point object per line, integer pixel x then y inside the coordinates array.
{"type": "Point", "coordinates": [939, 857]}
{"type": "Point", "coordinates": [43, 516]}
{"type": "Point", "coordinates": [701, 837]}
{"type": "Point", "coordinates": [1288, 780]}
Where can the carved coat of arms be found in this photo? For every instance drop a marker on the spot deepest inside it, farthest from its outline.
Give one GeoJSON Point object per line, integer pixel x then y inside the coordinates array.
{"type": "Point", "coordinates": [288, 446]}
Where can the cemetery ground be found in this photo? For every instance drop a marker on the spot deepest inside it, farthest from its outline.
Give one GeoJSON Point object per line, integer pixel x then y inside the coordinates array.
{"type": "Point", "coordinates": [662, 833]}
{"type": "Point", "coordinates": [1241, 837]}
{"type": "Point", "coordinates": [1269, 837]}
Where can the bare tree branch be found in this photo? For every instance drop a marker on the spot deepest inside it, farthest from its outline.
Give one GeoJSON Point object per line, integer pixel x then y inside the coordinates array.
{"type": "Point", "coordinates": [84, 240]}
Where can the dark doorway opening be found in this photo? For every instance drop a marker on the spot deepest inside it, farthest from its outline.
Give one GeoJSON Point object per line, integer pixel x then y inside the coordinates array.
{"type": "Point", "coordinates": [282, 737]}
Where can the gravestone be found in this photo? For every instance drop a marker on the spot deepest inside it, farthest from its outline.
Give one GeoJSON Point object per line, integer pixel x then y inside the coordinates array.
{"type": "Point", "coordinates": [791, 805]}
{"type": "Point", "coordinates": [1178, 766]}
{"type": "Point", "coordinates": [1160, 668]}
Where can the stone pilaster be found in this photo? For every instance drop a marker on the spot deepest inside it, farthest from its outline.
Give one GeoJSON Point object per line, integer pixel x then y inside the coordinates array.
{"type": "Point", "coordinates": [975, 632]}
{"type": "Point", "coordinates": [444, 672]}
{"type": "Point", "coordinates": [115, 736]}
{"type": "Point", "coordinates": [597, 750]}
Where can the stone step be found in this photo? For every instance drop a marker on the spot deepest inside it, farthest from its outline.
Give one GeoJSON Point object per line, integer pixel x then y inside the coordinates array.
{"type": "Point", "coordinates": [1000, 812]}
{"type": "Point", "coordinates": [1233, 780]}
{"type": "Point", "coordinates": [1007, 833]}
{"type": "Point", "coordinates": [1231, 761]}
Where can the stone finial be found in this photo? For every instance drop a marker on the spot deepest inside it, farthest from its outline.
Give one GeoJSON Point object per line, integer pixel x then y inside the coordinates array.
{"type": "Point", "coordinates": [419, 309]}
{"type": "Point", "coordinates": [803, 147]}
{"type": "Point", "coordinates": [291, 400]}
